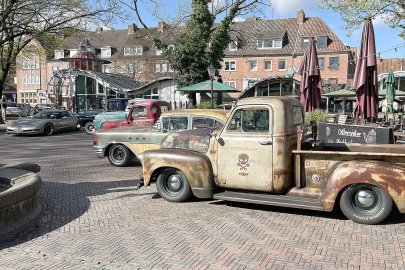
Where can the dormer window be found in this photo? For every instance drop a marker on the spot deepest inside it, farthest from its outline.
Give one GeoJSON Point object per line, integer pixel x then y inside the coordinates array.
{"type": "Point", "coordinates": [136, 50]}
{"type": "Point", "coordinates": [106, 52]}
{"type": "Point", "coordinates": [264, 43]}
{"type": "Point", "coordinates": [233, 46]}
{"type": "Point", "coordinates": [322, 42]}
{"type": "Point", "coordinates": [59, 54]}
{"type": "Point", "coordinates": [269, 43]}
{"type": "Point", "coordinates": [304, 42]}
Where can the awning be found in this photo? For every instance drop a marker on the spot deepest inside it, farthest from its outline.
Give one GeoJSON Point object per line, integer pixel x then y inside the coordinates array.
{"type": "Point", "coordinates": [206, 87]}
{"type": "Point", "coordinates": [340, 93]}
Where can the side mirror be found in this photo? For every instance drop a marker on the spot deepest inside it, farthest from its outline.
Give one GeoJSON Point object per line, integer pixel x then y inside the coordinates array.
{"type": "Point", "coordinates": [221, 141]}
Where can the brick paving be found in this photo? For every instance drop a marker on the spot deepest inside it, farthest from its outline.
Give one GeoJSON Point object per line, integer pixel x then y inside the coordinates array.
{"type": "Point", "coordinates": [92, 218]}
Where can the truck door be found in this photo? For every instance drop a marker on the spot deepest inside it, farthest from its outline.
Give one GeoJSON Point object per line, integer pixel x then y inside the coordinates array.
{"type": "Point", "coordinates": [245, 150]}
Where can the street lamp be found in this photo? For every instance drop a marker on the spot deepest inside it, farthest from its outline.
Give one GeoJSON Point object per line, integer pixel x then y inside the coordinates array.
{"type": "Point", "coordinates": [211, 73]}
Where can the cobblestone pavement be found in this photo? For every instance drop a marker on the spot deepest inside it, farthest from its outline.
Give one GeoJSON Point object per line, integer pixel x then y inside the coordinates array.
{"type": "Point", "coordinates": [92, 218]}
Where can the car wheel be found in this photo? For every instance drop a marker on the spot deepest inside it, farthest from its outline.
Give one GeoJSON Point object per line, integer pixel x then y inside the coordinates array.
{"type": "Point", "coordinates": [89, 127]}
{"type": "Point", "coordinates": [119, 155]}
{"type": "Point", "coordinates": [173, 186]}
{"type": "Point", "coordinates": [366, 204]}
{"type": "Point", "coordinates": [49, 129]}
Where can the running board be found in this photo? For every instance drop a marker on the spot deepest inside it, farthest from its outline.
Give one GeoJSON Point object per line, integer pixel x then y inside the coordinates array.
{"type": "Point", "coordinates": [270, 199]}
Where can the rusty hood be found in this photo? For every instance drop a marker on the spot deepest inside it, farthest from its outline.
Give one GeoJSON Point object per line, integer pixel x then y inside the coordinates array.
{"type": "Point", "coordinates": [194, 140]}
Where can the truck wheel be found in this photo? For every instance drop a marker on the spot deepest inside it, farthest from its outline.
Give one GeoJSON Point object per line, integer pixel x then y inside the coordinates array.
{"type": "Point", "coordinates": [119, 155]}
{"type": "Point", "coordinates": [173, 186]}
{"type": "Point", "coordinates": [365, 204]}
{"type": "Point", "coordinates": [89, 127]}
{"type": "Point", "coordinates": [49, 129]}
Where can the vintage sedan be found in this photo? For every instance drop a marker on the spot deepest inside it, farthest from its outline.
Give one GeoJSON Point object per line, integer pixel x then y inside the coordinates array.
{"type": "Point", "coordinates": [122, 144]}
{"type": "Point", "coordinates": [45, 122]}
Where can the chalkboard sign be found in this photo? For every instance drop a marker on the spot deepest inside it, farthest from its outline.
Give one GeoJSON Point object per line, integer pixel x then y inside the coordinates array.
{"type": "Point", "coordinates": [336, 133]}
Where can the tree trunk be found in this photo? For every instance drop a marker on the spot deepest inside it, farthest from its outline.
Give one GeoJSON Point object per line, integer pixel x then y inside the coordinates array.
{"type": "Point", "coordinates": [2, 82]}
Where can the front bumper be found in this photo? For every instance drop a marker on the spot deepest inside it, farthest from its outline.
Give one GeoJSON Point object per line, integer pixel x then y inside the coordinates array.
{"type": "Point", "coordinates": [23, 130]}
{"type": "Point", "coordinates": [100, 150]}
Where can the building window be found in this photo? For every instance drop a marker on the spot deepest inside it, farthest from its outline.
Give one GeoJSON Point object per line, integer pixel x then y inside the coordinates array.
{"type": "Point", "coordinates": [277, 43]}
{"type": "Point", "coordinates": [136, 50]}
{"type": "Point", "coordinates": [72, 52]}
{"type": "Point", "coordinates": [139, 67]}
{"type": "Point", "coordinates": [304, 42]}
{"type": "Point", "coordinates": [231, 84]}
{"type": "Point", "coordinates": [281, 64]}
{"type": "Point", "coordinates": [159, 51]}
{"type": "Point", "coordinates": [30, 64]}
{"type": "Point", "coordinates": [267, 65]}
{"type": "Point", "coordinates": [31, 79]}
{"type": "Point", "coordinates": [334, 62]}
{"type": "Point", "coordinates": [322, 42]}
{"type": "Point", "coordinates": [230, 65]}
{"type": "Point", "coordinates": [55, 69]}
{"type": "Point", "coordinates": [151, 94]}
{"type": "Point", "coordinates": [106, 68]}
{"type": "Point", "coordinates": [171, 68]}
{"type": "Point", "coordinates": [233, 46]}
{"type": "Point", "coordinates": [253, 65]}
{"type": "Point", "coordinates": [161, 67]}
{"type": "Point", "coordinates": [321, 63]}
{"type": "Point", "coordinates": [59, 54]}
{"type": "Point", "coordinates": [105, 52]}
{"type": "Point", "coordinates": [264, 43]}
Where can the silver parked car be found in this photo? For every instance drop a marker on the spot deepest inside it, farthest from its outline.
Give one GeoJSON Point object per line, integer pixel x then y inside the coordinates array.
{"type": "Point", "coordinates": [45, 122]}
{"type": "Point", "coordinates": [17, 109]}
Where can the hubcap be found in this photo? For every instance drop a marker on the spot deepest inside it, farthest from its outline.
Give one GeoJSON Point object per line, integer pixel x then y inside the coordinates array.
{"type": "Point", "coordinates": [118, 154]}
{"type": "Point", "coordinates": [365, 198]}
{"type": "Point", "coordinates": [174, 182]}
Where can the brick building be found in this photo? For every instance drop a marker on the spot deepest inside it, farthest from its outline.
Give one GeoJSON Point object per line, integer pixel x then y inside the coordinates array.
{"type": "Point", "coordinates": [262, 49]}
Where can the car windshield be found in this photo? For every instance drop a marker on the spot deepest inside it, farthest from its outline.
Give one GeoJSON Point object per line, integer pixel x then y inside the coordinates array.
{"type": "Point", "coordinates": [47, 115]}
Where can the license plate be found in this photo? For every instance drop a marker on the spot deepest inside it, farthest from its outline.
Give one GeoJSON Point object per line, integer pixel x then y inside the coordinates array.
{"type": "Point", "coordinates": [18, 130]}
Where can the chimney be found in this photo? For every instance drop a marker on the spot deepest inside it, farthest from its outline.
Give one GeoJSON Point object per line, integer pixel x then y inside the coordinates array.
{"type": "Point", "coordinates": [161, 26]}
{"type": "Point", "coordinates": [131, 29]}
{"type": "Point", "coordinates": [300, 16]}
{"type": "Point", "coordinates": [99, 29]}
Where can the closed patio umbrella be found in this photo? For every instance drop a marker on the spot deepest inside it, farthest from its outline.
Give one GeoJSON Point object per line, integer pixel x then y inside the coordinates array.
{"type": "Point", "coordinates": [311, 86]}
{"type": "Point", "coordinates": [365, 77]}
{"type": "Point", "coordinates": [390, 91]}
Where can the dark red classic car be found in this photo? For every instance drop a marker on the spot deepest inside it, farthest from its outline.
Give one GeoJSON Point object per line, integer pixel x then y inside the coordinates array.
{"type": "Point", "coordinates": [144, 112]}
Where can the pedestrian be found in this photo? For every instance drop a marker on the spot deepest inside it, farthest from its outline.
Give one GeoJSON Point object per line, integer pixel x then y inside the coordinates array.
{"type": "Point", "coordinates": [3, 106]}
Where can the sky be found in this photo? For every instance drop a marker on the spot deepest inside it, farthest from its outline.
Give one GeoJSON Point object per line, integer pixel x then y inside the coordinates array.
{"type": "Point", "coordinates": [387, 38]}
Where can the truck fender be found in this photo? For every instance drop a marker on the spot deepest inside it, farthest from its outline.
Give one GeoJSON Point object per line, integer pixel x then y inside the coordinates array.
{"type": "Point", "coordinates": [196, 167]}
{"type": "Point", "coordinates": [388, 176]}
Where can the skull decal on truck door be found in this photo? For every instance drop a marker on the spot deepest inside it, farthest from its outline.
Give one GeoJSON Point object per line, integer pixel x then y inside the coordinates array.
{"type": "Point", "coordinates": [243, 162]}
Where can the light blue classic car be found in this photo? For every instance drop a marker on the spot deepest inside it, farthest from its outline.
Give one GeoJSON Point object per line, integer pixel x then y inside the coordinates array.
{"type": "Point", "coordinates": [45, 122]}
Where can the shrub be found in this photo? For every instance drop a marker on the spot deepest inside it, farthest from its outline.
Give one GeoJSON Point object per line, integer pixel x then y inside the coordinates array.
{"type": "Point", "coordinates": [205, 105]}
{"type": "Point", "coordinates": [317, 115]}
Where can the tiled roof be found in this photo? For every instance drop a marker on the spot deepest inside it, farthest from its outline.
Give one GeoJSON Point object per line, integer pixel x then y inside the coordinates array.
{"type": "Point", "coordinates": [251, 31]}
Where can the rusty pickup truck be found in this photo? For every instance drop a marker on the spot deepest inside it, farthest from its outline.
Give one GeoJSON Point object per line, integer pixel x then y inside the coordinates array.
{"type": "Point", "coordinates": [259, 157]}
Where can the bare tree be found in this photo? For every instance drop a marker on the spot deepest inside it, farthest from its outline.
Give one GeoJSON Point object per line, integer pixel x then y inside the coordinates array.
{"type": "Point", "coordinates": [354, 12]}
{"type": "Point", "coordinates": [24, 20]}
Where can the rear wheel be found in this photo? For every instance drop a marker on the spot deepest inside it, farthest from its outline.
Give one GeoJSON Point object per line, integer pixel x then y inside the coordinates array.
{"type": "Point", "coordinates": [89, 127]}
{"type": "Point", "coordinates": [49, 129]}
{"type": "Point", "coordinates": [366, 204]}
{"type": "Point", "coordinates": [119, 155]}
{"type": "Point", "coordinates": [173, 186]}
